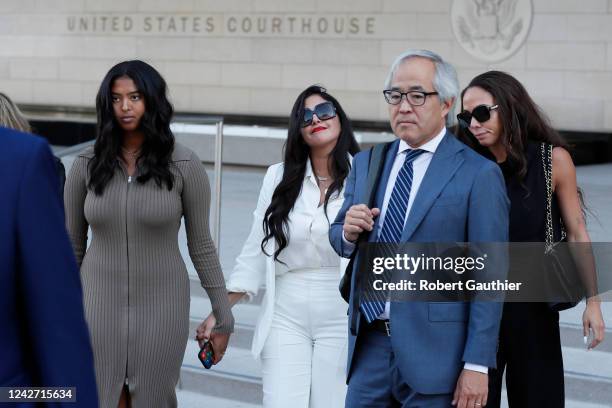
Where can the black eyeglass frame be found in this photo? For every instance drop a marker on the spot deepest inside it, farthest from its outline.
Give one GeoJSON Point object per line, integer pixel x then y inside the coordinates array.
{"type": "Point", "coordinates": [465, 118]}
{"type": "Point", "coordinates": [306, 123]}
{"type": "Point", "coordinates": [405, 94]}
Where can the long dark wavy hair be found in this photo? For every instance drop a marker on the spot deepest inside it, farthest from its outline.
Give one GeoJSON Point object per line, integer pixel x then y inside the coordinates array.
{"type": "Point", "coordinates": [296, 155]}
{"type": "Point", "coordinates": [156, 150]}
{"type": "Point", "coordinates": [521, 120]}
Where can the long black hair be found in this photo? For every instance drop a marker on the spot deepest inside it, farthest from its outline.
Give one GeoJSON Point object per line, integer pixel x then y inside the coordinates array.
{"type": "Point", "coordinates": [158, 142]}
{"type": "Point", "coordinates": [296, 155]}
{"type": "Point", "coordinates": [521, 120]}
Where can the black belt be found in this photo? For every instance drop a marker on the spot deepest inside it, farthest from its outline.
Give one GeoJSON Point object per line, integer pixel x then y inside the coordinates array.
{"type": "Point", "coordinates": [381, 326]}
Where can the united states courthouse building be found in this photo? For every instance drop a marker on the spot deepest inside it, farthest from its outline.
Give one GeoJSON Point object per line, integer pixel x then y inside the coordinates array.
{"type": "Point", "coordinates": [253, 57]}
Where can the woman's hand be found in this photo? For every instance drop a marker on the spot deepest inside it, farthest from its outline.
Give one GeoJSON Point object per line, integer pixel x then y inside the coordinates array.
{"type": "Point", "coordinates": [593, 319]}
{"type": "Point", "coordinates": [218, 341]}
{"type": "Point", "coordinates": [204, 330]}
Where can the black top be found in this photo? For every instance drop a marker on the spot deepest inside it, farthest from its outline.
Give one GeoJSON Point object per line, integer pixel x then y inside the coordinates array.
{"type": "Point", "coordinates": [528, 199]}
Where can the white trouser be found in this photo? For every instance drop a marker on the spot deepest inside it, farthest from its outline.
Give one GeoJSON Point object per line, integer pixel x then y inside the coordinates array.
{"type": "Point", "coordinates": [304, 356]}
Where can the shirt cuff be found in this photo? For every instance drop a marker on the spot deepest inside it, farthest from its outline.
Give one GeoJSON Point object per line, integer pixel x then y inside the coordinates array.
{"type": "Point", "coordinates": [347, 246]}
{"type": "Point", "coordinates": [476, 367]}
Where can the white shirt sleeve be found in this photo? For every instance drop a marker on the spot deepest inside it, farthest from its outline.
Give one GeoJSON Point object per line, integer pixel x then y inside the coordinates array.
{"type": "Point", "coordinates": [476, 367]}
{"type": "Point", "coordinates": [348, 246]}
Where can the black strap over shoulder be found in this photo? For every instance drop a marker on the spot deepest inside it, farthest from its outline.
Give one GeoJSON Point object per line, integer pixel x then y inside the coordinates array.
{"type": "Point", "coordinates": [375, 166]}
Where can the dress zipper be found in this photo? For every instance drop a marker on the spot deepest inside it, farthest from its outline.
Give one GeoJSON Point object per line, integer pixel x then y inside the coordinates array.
{"type": "Point", "coordinates": [129, 180]}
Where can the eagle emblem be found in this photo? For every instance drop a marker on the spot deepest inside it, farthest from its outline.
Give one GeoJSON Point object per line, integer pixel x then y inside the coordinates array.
{"type": "Point", "coordinates": [491, 30]}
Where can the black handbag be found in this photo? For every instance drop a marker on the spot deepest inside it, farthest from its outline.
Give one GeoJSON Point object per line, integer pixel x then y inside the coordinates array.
{"type": "Point", "coordinates": [375, 166]}
{"type": "Point", "coordinates": [561, 277]}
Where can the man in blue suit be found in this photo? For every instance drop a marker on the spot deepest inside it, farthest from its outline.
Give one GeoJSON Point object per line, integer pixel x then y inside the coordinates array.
{"type": "Point", "coordinates": [432, 189]}
{"type": "Point", "coordinates": [44, 340]}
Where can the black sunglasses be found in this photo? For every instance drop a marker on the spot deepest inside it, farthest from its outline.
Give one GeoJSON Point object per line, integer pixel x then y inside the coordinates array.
{"type": "Point", "coordinates": [481, 113]}
{"type": "Point", "coordinates": [324, 111]}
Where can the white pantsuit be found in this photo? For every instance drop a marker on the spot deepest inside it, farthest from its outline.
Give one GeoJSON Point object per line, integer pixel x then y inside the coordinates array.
{"type": "Point", "coordinates": [301, 333]}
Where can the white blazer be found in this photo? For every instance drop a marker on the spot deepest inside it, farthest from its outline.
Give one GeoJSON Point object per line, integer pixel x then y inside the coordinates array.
{"type": "Point", "coordinates": [253, 268]}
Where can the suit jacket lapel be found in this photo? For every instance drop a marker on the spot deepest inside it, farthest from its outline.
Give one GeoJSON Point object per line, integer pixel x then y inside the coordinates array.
{"type": "Point", "coordinates": [442, 167]}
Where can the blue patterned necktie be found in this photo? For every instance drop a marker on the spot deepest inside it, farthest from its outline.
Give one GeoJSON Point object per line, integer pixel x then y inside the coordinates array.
{"type": "Point", "coordinates": [373, 303]}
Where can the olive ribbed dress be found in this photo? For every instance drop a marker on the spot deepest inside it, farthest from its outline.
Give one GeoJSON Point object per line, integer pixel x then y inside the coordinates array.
{"type": "Point", "coordinates": [135, 283]}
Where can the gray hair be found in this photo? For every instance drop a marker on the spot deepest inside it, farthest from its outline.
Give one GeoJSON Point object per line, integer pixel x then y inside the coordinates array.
{"type": "Point", "coordinates": [11, 116]}
{"type": "Point", "coordinates": [445, 80]}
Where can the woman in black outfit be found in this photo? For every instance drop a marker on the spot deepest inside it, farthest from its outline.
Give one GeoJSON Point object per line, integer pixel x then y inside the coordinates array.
{"type": "Point", "coordinates": [499, 119]}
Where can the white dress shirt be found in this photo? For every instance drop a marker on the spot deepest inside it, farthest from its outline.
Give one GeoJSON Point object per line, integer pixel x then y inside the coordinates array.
{"type": "Point", "coordinates": [308, 228]}
{"type": "Point", "coordinates": [419, 167]}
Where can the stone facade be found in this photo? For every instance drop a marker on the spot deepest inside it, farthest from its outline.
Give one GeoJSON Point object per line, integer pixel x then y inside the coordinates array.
{"type": "Point", "coordinates": [254, 56]}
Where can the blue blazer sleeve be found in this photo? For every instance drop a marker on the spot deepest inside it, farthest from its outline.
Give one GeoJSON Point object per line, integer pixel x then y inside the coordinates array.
{"type": "Point", "coordinates": [335, 231]}
{"type": "Point", "coordinates": [488, 221]}
{"type": "Point", "coordinates": [50, 284]}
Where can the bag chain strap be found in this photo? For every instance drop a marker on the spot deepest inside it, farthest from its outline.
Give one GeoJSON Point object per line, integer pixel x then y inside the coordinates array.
{"type": "Point", "coordinates": [548, 177]}
{"type": "Point", "coordinates": [546, 150]}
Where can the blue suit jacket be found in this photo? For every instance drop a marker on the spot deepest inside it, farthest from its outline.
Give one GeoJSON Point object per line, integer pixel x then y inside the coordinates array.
{"type": "Point", "coordinates": [44, 340]}
{"type": "Point", "coordinates": [462, 198]}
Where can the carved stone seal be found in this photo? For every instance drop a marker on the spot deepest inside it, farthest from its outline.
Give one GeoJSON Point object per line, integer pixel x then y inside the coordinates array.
{"type": "Point", "coordinates": [491, 30]}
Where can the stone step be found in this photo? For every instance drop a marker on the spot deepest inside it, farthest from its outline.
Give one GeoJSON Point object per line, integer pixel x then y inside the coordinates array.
{"type": "Point", "coordinates": [588, 388]}
{"type": "Point", "coordinates": [189, 399]}
{"type": "Point", "coordinates": [596, 362]}
{"type": "Point", "coordinates": [238, 375]}
{"type": "Point", "coordinates": [572, 336]}
{"type": "Point", "coordinates": [583, 380]}
{"type": "Point", "coordinates": [588, 374]}
{"type": "Point", "coordinates": [568, 403]}
{"type": "Point", "coordinates": [573, 316]}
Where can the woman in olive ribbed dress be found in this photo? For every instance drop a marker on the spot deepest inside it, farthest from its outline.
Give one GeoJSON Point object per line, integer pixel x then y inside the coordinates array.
{"type": "Point", "coordinates": [132, 188]}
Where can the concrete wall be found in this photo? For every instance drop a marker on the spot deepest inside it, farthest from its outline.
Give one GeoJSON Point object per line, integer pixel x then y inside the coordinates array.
{"type": "Point", "coordinates": [216, 60]}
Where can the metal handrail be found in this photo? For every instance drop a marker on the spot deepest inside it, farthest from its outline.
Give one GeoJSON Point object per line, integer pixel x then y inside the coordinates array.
{"type": "Point", "coordinates": [216, 233]}
{"type": "Point", "coordinates": [218, 167]}
{"type": "Point", "coordinates": [68, 151]}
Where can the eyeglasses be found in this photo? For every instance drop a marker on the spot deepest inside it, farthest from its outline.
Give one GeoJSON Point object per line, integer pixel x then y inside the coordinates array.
{"type": "Point", "coordinates": [324, 111]}
{"type": "Point", "coordinates": [414, 98]}
{"type": "Point", "coordinates": [481, 113]}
